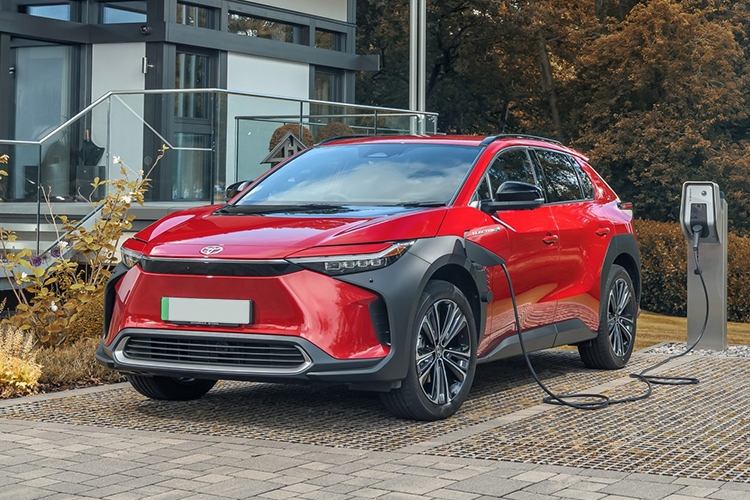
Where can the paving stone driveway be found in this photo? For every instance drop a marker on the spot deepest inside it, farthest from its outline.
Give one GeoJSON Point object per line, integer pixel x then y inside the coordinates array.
{"type": "Point", "coordinates": [269, 441]}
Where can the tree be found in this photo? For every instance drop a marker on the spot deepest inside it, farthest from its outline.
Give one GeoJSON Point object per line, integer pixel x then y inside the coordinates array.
{"type": "Point", "coordinates": [661, 98]}
{"type": "Point", "coordinates": [493, 66]}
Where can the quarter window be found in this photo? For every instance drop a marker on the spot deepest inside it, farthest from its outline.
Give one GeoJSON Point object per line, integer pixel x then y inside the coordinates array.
{"type": "Point", "coordinates": [560, 179]}
{"type": "Point", "coordinates": [586, 185]}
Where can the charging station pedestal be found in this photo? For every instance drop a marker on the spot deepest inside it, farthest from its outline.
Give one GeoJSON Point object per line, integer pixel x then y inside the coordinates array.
{"type": "Point", "coordinates": [704, 209]}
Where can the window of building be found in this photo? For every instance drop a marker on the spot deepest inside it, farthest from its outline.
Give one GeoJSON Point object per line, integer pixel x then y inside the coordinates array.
{"type": "Point", "coordinates": [191, 73]}
{"type": "Point", "coordinates": [57, 10]}
{"type": "Point", "coordinates": [123, 12]}
{"type": "Point", "coordinates": [193, 15]}
{"type": "Point", "coordinates": [245, 25]}
{"type": "Point", "coordinates": [330, 40]}
{"type": "Point", "coordinates": [327, 87]}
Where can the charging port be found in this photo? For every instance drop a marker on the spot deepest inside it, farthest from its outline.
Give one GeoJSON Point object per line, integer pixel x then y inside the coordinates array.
{"type": "Point", "coordinates": [699, 218]}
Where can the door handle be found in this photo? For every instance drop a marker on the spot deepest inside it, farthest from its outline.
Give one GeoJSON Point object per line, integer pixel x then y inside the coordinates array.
{"type": "Point", "coordinates": [550, 239]}
{"type": "Point", "coordinates": [602, 231]}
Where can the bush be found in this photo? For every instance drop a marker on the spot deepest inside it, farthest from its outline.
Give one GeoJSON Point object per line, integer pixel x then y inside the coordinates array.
{"type": "Point", "coordinates": [73, 364]}
{"type": "Point", "coordinates": [664, 267]}
{"type": "Point", "coordinates": [19, 370]}
{"type": "Point", "coordinates": [334, 129]}
{"type": "Point", "coordinates": [53, 292]}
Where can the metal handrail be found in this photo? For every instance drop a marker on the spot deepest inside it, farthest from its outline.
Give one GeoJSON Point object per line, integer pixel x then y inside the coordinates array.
{"type": "Point", "coordinates": [107, 97]}
{"type": "Point", "coordinates": [104, 97]}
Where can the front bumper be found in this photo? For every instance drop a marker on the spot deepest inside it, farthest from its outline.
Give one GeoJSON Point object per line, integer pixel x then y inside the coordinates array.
{"type": "Point", "coordinates": [211, 355]}
{"type": "Point", "coordinates": [328, 320]}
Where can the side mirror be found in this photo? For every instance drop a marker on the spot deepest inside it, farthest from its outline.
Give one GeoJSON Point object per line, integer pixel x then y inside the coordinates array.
{"type": "Point", "coordinates": [235, 189]}
{"type": "Point", "coordinates": [513, 195]}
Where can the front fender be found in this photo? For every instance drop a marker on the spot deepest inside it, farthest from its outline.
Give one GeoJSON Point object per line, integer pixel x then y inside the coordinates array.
{"type": "Point", "coordinates": [401, 285]}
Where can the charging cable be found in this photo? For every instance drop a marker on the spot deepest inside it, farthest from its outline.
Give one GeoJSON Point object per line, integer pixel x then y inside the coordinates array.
{"type": "Point", "coordinates": [600, 400]}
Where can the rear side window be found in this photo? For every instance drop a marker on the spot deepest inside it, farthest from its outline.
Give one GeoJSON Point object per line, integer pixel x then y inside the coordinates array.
{"type": "Point", "coordinates": [512, 165]}
{"type": "Point", "coordinates": [560, 178]}
{"type": "Point", "coordinates": [586, 186]}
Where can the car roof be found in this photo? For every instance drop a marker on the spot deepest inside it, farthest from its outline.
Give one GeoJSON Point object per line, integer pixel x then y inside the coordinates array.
{"type": "Point", "coordinates": [456, 140]}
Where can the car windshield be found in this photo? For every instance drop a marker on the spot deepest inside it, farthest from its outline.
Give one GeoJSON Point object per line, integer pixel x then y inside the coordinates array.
{"type": "Point", "coordinates": [367, 174]}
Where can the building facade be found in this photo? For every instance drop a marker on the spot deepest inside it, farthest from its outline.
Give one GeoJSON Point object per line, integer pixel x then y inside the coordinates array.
{"type": "Point", "coordinates": [56, 57]}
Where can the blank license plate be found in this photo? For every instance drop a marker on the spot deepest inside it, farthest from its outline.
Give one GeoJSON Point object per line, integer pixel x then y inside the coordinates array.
{"type": "Point", "coordinates": [207, 311]}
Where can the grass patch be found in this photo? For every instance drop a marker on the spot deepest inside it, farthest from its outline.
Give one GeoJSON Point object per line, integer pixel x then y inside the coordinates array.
{"type": "Point", "coordinates": [656, 328]}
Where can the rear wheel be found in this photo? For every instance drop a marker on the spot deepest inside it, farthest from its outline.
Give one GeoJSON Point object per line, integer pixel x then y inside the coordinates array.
{"type": "Point", "coordinates": [169, 388]}
{"type": "Point", "coordinates": [612, 347]}
{"type": "Point", "coordinates": [442, 358]}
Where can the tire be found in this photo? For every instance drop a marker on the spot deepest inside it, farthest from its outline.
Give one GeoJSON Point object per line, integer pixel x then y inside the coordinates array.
{"type": "Point", "coordinates": [170, 389]}
{"type": "Point", "coordinates": [618, 310]}
{"type": "Point", "coordinates": [440, 373]}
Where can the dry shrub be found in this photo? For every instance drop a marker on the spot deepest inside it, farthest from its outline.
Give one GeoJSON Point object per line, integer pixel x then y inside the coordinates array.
{"type": "Point", "coordinates": [73, 364]}
{"type": "Point", "coordinates": [334, 129]}
{"type": "Point", "coordinates": [88, 324]}
{"type": "Point", "coordinates": [663, 250]}
{"type": "Point", "coordinates": [19, 369]}
{"type": "Point", "coordinates": [279, 133]}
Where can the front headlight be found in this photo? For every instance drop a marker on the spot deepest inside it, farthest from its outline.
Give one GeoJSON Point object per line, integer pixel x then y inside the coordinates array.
{"type": "Point", "coordinates": [337, 265]}
{"type": "Point", "coordinates": [130, 257]}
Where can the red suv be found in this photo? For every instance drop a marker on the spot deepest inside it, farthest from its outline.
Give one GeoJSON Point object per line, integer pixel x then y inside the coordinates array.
{"type": "Point", "coordinates": [372, 262]}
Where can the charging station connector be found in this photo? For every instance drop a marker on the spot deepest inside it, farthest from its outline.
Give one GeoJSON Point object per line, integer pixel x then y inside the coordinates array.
{"type": "Point", "coordinates": [703, 216]}
{"type": "Point", "coordinates": [701, 202]}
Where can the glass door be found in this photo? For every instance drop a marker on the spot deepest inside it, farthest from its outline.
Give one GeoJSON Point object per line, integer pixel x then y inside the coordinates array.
{"type": "Point", "coordinates": [43, 90]}
{"type": "Point", "coordinates": [193, 128]}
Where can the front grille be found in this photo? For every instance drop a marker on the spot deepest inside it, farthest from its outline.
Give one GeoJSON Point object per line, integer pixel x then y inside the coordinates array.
{"type": "Point", "coordinates": [209, 352]}
{"type": "Point", "coordinates": [218, 268]}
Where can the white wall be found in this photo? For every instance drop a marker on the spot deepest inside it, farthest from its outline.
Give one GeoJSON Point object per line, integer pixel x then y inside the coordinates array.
{"type": "Point", "coordinates": [332, 9]}
{"type": "Point", "coordinates": [261, 76]}
{"type": "Point", "coordinates": [117, 66]}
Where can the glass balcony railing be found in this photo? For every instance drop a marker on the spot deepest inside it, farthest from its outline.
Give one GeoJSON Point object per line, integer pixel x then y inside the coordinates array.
{"type": "Point", "coordinates": [214, 138]}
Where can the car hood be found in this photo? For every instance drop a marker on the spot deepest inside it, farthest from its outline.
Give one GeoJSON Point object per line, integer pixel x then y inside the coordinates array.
{"type": "Point", "coordinates": [277, 236]}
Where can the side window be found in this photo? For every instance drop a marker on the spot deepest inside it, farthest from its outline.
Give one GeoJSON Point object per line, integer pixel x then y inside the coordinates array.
{"type": "Point", "coordinates": [586, 186]}
{"type": "Point", "coordinates": [560, 178]}
{"type": "Point", "coordinates": [512, 165]}
{"type": "Point", "coordinates": [483, 192]}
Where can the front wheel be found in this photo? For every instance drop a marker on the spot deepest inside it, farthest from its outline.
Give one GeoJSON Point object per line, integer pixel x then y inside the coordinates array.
{"type": "Point", "coordinates": [442, 358]}
{"type": "Point", "coordinates": [169, 388]}
{"type": "Point", "coordinates": [612, 347]}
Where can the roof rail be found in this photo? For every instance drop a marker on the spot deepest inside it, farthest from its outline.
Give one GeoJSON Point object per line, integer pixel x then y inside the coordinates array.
{"type": "Point", "coordinates": [489, 140]}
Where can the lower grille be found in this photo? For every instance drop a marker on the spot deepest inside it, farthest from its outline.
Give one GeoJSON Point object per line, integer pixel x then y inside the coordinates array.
{"type": "Point", "coordinates": [211, 352]}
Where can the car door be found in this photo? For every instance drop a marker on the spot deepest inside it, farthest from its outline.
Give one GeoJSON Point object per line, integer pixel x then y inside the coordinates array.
{"type": "Point", "coordinates": [528, 241]}
{"type": "Point", "coordinates": [584, 236]}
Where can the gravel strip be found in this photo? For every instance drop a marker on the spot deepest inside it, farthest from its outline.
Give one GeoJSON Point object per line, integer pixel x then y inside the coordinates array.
{"type": "Point", "coordinates": [672, 348]}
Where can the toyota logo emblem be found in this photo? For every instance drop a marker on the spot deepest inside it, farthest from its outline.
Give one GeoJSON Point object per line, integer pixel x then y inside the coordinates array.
{"type": "Point", "coordinates": [212, 250]}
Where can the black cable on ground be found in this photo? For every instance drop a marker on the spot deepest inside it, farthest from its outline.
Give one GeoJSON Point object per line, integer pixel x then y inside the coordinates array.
{"type": "Point", "coordinates": [600, 400]}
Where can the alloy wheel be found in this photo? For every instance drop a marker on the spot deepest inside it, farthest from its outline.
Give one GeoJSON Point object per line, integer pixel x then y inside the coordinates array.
{"type": "Point", "coordinates": [443, 351]}
{"type": "Point", "coordinates": [620, 317]}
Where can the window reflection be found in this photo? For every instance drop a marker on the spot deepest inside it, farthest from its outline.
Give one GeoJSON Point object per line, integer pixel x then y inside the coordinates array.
{"type": "Point", "coordinates": [123, 12]}
{"type": "Point", "coordinates": [327, 40]}
{"type": "Point", "coordinates": [52, 11]}
{"type": "Point", "coordinates": [191, 73]}
{"type": "Point", "coordinates": [245, 25]}
{"type": "Point", "coordinates": [192, 15]}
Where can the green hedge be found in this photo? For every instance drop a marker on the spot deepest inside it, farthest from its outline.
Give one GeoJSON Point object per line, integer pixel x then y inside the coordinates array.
{"type": "Point", "coordinates": [664, 260]}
